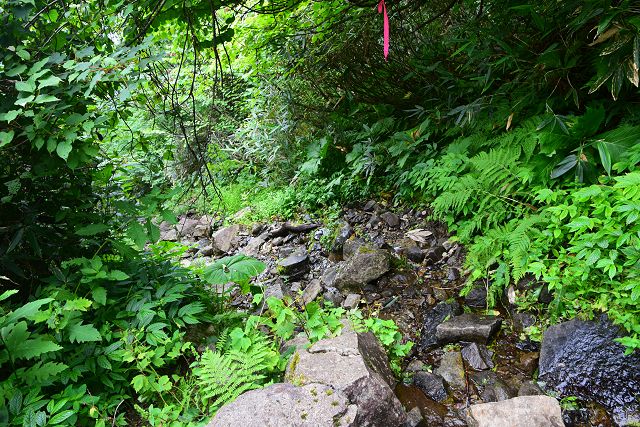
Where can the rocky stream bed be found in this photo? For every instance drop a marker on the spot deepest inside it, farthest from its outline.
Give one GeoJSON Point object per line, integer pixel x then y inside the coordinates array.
{"type": "Point", "coordinates": [468, 366]}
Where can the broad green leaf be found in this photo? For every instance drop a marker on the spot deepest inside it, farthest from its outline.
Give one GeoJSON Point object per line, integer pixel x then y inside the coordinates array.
{"type": "Point", "coordinates": [28, 310]}
{"type": "Point", "coordinates": [10, 115]}
{"type": "Point", "coordinates": [64, 148]}
{"type": "Point", "coordinates": [92, 229]}
{"type": "Point", "coordinates": [7, 294]}
{"type": "Point", "coordinates": [16, 70]}
{"type": "Point", "coordinates": [31, 348]}
{"type": "Point", "coordinates": [137, 233]}
{"type": "Point", "coordinates": [61, 417]}
{"type": "Point", "coordinates": [6, 138]}
{"type": "Point", "coordinates": [605, 156]}
{"type": "Point", "coordinates": [50, 81]}
{"type": "Point", "coordinates": [28, 86]}
{"type": "Point", "coordinates": [564, 166]}
{"type": "Point", "coordinates": [99, 295]}
{"type": "Point", "coordinates": [83, 333]}
{"type": "Point", "coordinates": [237, 268]}
{"type": "Point", "coordinates": [118, 275]}
{"type": "Point", "coordinates": [43, 99]}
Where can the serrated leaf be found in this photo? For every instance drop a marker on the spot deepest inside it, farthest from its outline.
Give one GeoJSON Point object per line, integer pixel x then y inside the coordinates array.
{"type": "Point", "coordinates": [92, 229]}
{"type": "Point", "coordinates": [83, 333]}
{"type": "Point", "coordinates": [61, 417]}
{"type": "Point", "coordinates": [34, 347]}
{"type": "Point", "coordinates": [99, 295]}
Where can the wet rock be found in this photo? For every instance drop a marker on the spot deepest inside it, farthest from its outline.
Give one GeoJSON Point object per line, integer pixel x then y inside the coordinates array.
{"type": "Point", "coordinates": [345, 232]}
{"type": "Point", "coordinates": [414, 418]}
{"type": "Point", "coordinates": [295, 265]}
{"type": "Point", "coordinates": [496, 392]}
{"type": "Point", "coordinates": [226, 239]}
{"type": "Point", "coordinates": [528, 362]}
{"type": "Point", "coordinates": [356, 365]}
{"type": "Point", "coordinates": [312, 291]}
{"type": "Point", "coordinates": [477, 356]}
{"type": "Point", "coordinates": [530, 388]}
{"type": "Point", "coordinates": [434, 255]}
{"type": "Point", "coordinates": [477, 297]}
{"type": "Point", "coordinates": [329, 276]}
{"type": "Point", "coordinates": [521, 321]}
{"type": "Point", "coordinates": [257, 228]}
{"type": "Point", "coordinates": [351, 301]}
{"type": "Point", "coordinates": [363, 268]}
{"type": "Point", "coordinates": [468, 327]}
{"type": "Point", "coordinates": [451, 369]}
{"type": "Point", "coordinates": [352, 246]}
{"type": "Point", "coordinates": [392, 220]}
{"type": "Point", "coordinates": [415, 254]}
{"type": "Point", "coordinates": [580, 358]}
{"type": "Point", "coordinates": [545, 296]}
{"type": "Point", "coordinates": [525, 411]}
{"type": "Point", "coordinates": [370, 206]}
{"type": "Point", "coordinates": [334, 296]}
{"type": "Point", "coordinates": [412, 397]}
{"type": "Point", "coordinates": [432, 385]}
{"type": "Point", "coordinates": [453, 273]}
{"type": "Point", "coordinates": [286, 404]}
{"type": "Point", "coordinates": [432, 318]}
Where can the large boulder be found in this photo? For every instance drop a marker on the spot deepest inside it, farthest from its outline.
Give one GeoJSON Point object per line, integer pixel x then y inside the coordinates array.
{"type": "Point", "coordinates": [362, 268]}
{"type": "Point", "coordinates": [356, 365]}
{"type": "Point", "coordinates": [287, 405]}
{"type": "Point", "coordinates": [432, 318]}
{"type": "Point", "coordinates": [295, 265]}
{"type": "Point", "coordinates": [524, 411]}
{"type": "Point", "coordinates": [580, 358]}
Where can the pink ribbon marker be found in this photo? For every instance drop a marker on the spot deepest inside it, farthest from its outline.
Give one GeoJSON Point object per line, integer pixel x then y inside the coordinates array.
{"type": "Point", "coordinates": [382, 8]}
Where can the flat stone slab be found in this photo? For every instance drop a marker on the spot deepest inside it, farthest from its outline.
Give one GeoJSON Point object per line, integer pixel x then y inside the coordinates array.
{"type": "Point", "coordinates": [524, 411]}
{"type": "Point", "coordinates": [282, 405]}
{"type": "Point", "coordinates": [468, 327]}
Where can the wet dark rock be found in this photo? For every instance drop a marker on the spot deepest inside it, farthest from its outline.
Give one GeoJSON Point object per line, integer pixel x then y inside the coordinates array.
{"type": "Point", "coordinates": [521, 321]}
{"type": "Point", "coordinates": [477, 297]}
{"type": "Point", "coordinates": [392, 220]}
{"type": "Point", "coordinates": [257, 228]}
{"type": "Point", "coordinates": [432, 385]}
{"type": "Point", "coordinates": [451, 369]}
{"type": "Point", "coordinates": [528, 362]}
{"type": "Point", "coordinates": [434, 255]}
{"type": "Point", "coordinates": [477, 356]}
{"type": "Point", "coordinates": [288, 228]}
{"type": "Point", "coordinates": [530, 388]}
{"type": "Point", "coordinates": [453, 273]}
{"type": "Point", "coordinates": [362, 268]}
{"type": "Point", "coordinates": [345, 232]}
{"type": "Point", "coordinates": [580, 358]}
{"type": "Point", "coordinates": [370, 206]}
{"type": "Point", "coordinates": [374, 221]}
{"type": "Point", "coordinates": [525, 411]}
{"type": "Point", "coordinates": [312, 291]}
{"type": "Point", "coordinates": [432, 318]}
{"type": "Point", "coordinates": [528, 345]}
{"type": "Point", "coordinates": [415, 254]}
{"type": "Point", "coordinates": [496, 392]}
{"type": "Point", "coordinates": [295, 265]}
{"type": "Point", "coordinates": [545, 296]}
{"type": "Point", "coordinates": [468, 327]}
{"type": "Point", "coordinates": [412, 397]}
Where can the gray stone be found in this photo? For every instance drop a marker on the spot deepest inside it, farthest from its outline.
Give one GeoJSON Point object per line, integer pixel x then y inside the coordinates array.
{"type": "Point", "coordinates": [434, 255]}
{"type": "Point", "coordinates": [329, 276]}
{"type": "Point", "coordinates": [370, 206]}
{"type": "Point", "coordinates": [451, 369]}
{"type": "Point", "coordinates": [334, 296]}
{"type": "Point", "coordinates": [477, 356]}
{"type": "Point", "coordinates": [525, 411]}
{"type": "Point", "coordinates": [432, 385]}
{"type": "Point", "coordinates": [415, 254]}
{"type": "Point", "coordinates": [351, 301]}
{"type": "Point", "coordinates": [207, 250]}
{"type": "Point", "coordinates": [312, 291]}
{"type": "Point", "coordinates": [363, 268]}
{"type": "Point", "coordinates": [521, 321]}
{"type": "Point", "coordinates": [468, 327]}
{"type": "Point", "coordinates": [257, 228]}
{"type": "Point", "coordinates": [226, 239]}
{"type": "Point", "coordinates": [345, 232]}
{"type": "Point", "coordinates": [253, 247]}
{"type": "Point", "coordinates": [273, 288]}
{"type": "Point", "coordinates": [295, 265]}
{"type": "Point", "coordinates": [187, 226]}
{"type": "Point", "coordinates": [415, 366]}
{"type": "Point", "coordinates": [453, 273]}
{"type": "Point", "coordinates": [202, 230]}
{"type": "Point", "coordinates": [414, 418]}
{"type": "Point", "coordinates": [530, 388]}
{"type": "Point", "coordinates": [432, 318]}
{"type": "Point", "coordinates": [580, 358]}
{"type": "Point", "coordinates": [352, 246]}
{"type": "Point", "coordinates": [391, 219]}
{"type": "Point", "coordinates": [287, 405]}
{"type": "Point", "coordinates": [477, 297]}
{"type": "Point", "coordinates": [356, 365]}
